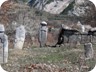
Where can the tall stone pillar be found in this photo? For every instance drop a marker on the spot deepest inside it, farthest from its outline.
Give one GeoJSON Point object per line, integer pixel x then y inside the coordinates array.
{"type": "Point", "coordinates": [3, 47]}
{"type": "Point", "coordinates": [43, 34]}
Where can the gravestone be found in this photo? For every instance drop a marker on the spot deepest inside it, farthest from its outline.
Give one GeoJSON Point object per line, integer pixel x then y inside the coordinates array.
{"type": "Point", "coordinates": [43, 34]}
{"type": "Point", "coordinates": [19, 37]}
{"type": "Point", "coordinates": [88, 50]}
{"type": "Point", "coordinates": [3, 47]}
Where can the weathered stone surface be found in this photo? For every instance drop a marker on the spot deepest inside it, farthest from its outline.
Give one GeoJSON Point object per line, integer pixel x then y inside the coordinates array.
{"type": "Point", "coordinates": [81, 26]}
{"type": "Point", "coordinates": [3, 45]}
{"type": "Point", "coordinates": [43, 32]}
{"type": "Point", "coordinates": [89, 53]}
{"type": "Point", "coordinates": [79, 2]}
{"type": "Point", "coordinates": [5, 48]}
{"type": "Point", "coordinates": [83, 8]}
{"type": "Point", "coordinates": [57, 7]}
{"type": "Point", "coordinates": [20, 37]}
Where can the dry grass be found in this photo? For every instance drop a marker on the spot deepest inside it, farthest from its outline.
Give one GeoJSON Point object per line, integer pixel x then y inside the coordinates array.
{"type": "Point", "coordinates": [63, 57]}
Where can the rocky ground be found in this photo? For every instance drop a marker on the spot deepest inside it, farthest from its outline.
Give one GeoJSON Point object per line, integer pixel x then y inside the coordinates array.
{"type": "Point", "coordinates": [63, 59]}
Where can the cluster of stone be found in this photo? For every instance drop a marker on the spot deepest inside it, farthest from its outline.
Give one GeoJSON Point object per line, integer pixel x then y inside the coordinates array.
{"type": "Point", "coordinates": [18, 44]}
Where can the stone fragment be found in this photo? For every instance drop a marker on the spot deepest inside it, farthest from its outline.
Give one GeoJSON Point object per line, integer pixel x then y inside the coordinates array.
{"type": "Point", "coordinates": [88, 50]}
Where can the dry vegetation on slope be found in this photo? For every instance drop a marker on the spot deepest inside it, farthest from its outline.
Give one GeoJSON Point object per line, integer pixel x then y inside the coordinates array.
{"type": "Point", "coordinates": [48, 59]}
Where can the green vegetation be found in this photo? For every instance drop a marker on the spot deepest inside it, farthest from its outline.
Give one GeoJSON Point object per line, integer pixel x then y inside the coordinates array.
{"type": "Point", "coordinates": [64, 57]}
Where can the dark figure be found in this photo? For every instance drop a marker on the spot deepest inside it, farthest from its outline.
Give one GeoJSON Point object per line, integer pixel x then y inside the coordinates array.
{"type": "Point", "coordinates": [67, 33]}
{"type": "Point", "coordinates": [91, 33]}
{"type": "Point", "coordinates": [60, 38]}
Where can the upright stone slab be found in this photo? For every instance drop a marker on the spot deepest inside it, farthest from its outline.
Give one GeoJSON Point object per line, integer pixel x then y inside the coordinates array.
{"type": "Point", "coordinates": [1, 52]}
{"type": "Point", "coordinates": [43, 34]}
{"type": "Point", "coordinates": [88, 50]}
{"type": "Point", "coordinates": [20, 37]}
{"type": "Point", "coordinates": [3, 47]}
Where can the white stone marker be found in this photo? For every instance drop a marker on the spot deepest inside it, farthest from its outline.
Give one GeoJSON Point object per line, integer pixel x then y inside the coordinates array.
{"type": "Point", "coordinates": [20, 37]}
{"type": "Point", "coordinates": [3, 47]}
{"type": "Point", "coordinates": [89, 53]}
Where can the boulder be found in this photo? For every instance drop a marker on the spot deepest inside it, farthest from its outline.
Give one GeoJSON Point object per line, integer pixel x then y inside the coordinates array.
{"type": "Point", "coordinates": [83, 8]}
{"type": "Point", "coordinates": [57, 7]}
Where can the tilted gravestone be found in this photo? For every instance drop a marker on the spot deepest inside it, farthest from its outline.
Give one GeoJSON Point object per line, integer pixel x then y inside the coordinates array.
{"type": "Point", "coordinates": [3, 47]}
{"type": "Point", "coordinates": [19, 37]}
{"type": "Point", "coordinates": [88, 50]}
